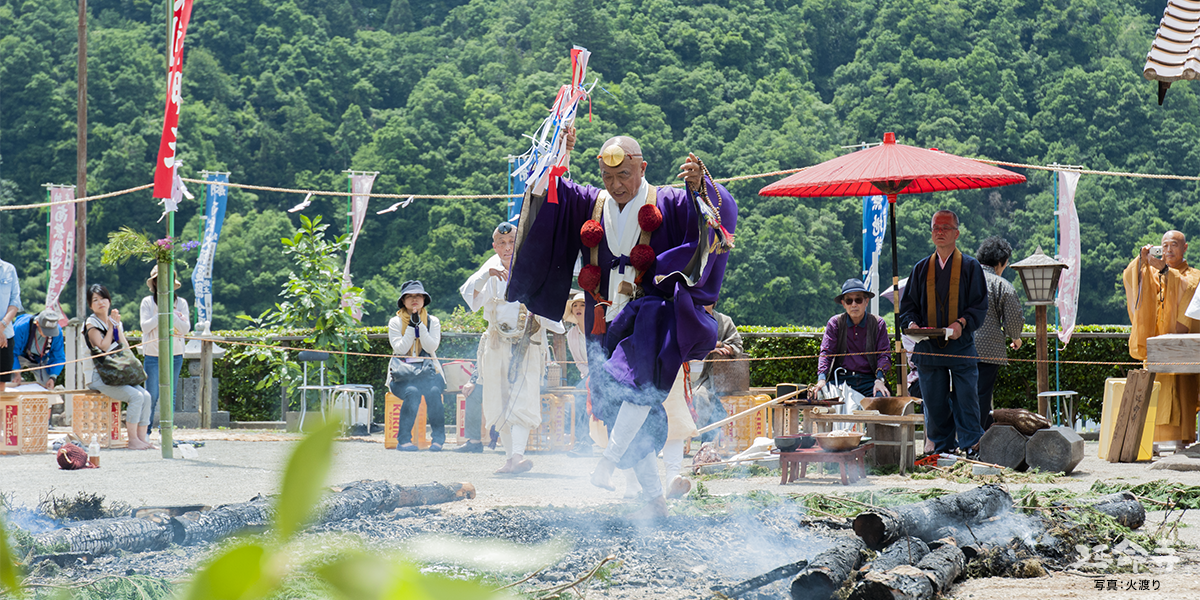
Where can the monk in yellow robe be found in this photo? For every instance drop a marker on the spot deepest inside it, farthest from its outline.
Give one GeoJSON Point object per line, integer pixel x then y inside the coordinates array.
{"type": "Point", "coordinates": [1157, 291]}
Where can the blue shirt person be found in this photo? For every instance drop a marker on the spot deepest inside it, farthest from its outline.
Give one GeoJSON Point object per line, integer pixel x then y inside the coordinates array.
{"type": "Point", "coordinates": [37, 343]}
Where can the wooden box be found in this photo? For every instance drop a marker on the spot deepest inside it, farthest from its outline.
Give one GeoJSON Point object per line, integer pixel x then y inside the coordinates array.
{"type": "Point", "coordinates": [740, 434]}
{"type": "Point", "coordinates": [97, 415]}
{"type": "Point", "coordinates": [1173, 353]}
{"type": "Point", "coordinates": [557, 431]}
{"type": "Point", "coordinates": [24, 420]}
{"type": "Point", "coordinates": [391, 423]}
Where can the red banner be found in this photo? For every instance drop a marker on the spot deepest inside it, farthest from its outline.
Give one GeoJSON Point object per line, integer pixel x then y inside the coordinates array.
{"type": "Point", "coordinates": [166, 147]}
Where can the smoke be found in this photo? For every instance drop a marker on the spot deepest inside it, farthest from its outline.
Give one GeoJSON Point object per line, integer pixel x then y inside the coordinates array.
{"type": "Point", "coordinates": [27, 519]}
{"type": "Point", "coordinates": [998, 530]}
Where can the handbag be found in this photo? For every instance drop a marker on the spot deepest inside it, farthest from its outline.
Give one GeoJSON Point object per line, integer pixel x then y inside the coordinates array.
{"type": "Point", "coordinates": [119, 368]}
{"type": "Point", "coordinates": [403, 371]}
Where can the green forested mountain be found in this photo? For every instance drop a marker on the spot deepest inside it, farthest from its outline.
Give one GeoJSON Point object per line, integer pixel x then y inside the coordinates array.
{"type": "Point", "coordinates": [435, 94]}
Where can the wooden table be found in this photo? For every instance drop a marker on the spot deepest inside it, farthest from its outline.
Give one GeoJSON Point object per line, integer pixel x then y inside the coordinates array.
{"type": "Point", "coordinates": [907, 423]}
{"type": "Point", "coordinates": [795, 464]}
{"type": "Point", "coordinates": [786, 418]}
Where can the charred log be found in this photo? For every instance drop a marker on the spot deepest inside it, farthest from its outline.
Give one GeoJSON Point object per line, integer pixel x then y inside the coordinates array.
{"type": "Point", "coordinates": [926, 520]}
{"type": "Point", "coordinates": [1124, 507]}
{"type": "Point", "coordinates": [158, 530]}
{"type": "Point", "coordinates": [933, 574]}
{"type": "Point", "coordinates": [209, 526]}
{"type": "Point", "coordinates": [908, 551]}
{"type": "Point", "coordinates": [736, 591]}
{"type": "Point", "coordinates": [105, 535]}
{"type": "Point", "coordinates": [990, 560]}
{"type": "Point", "coordinates": [829, 570]}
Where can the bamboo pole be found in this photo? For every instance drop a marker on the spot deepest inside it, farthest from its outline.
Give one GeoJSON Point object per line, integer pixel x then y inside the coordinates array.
{"type": "Point", "coordinates": [749, 411]}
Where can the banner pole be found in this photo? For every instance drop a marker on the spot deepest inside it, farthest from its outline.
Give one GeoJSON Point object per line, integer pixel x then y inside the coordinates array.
{"type": "Point", "coordinates": [350, 233]}
{"type": "Point", "coordinates": [1057, 318]}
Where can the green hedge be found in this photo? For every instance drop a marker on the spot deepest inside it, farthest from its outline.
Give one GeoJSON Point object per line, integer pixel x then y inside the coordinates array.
{"type": "Point", "coordinates": [1016, 386]}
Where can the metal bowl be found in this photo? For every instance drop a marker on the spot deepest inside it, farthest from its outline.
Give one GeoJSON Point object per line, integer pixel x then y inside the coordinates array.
{"type": "Point", "coordinates": [836, 443]}
{"type": "Point", "coordinates": [790, 443]}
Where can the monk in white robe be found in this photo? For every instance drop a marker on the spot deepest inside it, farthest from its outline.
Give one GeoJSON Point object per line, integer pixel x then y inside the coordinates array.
{"type": "Point", "coordinates": [512, 353]}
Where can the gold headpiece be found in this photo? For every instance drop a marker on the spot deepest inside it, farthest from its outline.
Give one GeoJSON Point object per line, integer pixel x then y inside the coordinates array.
{"type": "Point", "coordinates": [614, 155]}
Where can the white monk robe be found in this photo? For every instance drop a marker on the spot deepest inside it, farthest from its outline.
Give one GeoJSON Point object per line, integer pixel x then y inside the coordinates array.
{"type": "Point", "coordinates": [511, 401]}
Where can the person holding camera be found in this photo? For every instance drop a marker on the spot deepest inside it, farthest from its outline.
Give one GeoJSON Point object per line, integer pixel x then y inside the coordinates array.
{"type": "Point", "coordinates": [414, 370]}
{"type": "Point", "coordinates": [1159, 284]}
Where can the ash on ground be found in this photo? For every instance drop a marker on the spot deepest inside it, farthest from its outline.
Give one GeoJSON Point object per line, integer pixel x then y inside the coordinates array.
{"type": "Point", "coordinates": [681, 557]}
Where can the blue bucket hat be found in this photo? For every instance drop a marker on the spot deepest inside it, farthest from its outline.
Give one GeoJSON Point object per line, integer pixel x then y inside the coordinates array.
{"type": "Point", "coordinates": [853, 285]}
{"type": "Point", "coordinates": [412, 286]}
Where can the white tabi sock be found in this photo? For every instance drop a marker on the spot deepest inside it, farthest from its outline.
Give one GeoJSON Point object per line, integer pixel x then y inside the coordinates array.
{"type": "Point", "coordinates": [629, 420]}
{"type": "Point", "coordinates": [673, 458]}
{"type": "Point", "coordinates": [506, 440]}
{"type": "Point", "coordinates": [520, 437]}
{"type": "Point", "coordinates": [632, 487]}
{"type": "Point", "coordinates": [647, 475]}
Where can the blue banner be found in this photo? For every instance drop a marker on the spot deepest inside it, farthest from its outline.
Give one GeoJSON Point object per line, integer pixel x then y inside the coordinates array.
{"type": "Point", "coordinates": [874, 227]}
{"type": "Point", "coordinates": [214, 217]}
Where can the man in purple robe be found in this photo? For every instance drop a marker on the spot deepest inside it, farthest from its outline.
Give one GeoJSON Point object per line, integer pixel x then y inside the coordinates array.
{"type": "Point", "coordinates": [653, 258]}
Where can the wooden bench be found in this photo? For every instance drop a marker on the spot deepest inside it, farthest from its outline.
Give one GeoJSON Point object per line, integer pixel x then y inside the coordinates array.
{"type": "Point", "coordinates": [795, 464]}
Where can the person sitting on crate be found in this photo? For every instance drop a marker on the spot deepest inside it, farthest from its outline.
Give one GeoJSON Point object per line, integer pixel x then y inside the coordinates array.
{"type": "Point", "coordinates": [117, 373]}
{"type": "Point", "coordinates": [512, 353]}
{"type": "Point", "coordinates": [38, 344]}
{"type": "Point", "coordinates": [414, 370]}
{"type": "Point", "coordinates": [856, 341]}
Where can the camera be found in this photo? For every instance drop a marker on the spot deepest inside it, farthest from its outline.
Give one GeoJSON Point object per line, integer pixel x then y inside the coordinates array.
{"type": "Point", "coordinates": [1156, 251]}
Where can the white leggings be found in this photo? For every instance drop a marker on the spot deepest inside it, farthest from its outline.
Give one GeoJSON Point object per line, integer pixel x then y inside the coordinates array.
{"type": "Point", "coordinates": [673, 458]}
{"type": "Point", "coordinates": [629, 420]}
{"type": "Point", "coordinates": [138, 411]}
{"type": "Point", "coordinates": [514, 438]}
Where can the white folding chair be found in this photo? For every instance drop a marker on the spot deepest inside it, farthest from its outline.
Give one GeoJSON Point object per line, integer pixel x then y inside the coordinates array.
{"type": "Point", "coordinates": [324, 391]}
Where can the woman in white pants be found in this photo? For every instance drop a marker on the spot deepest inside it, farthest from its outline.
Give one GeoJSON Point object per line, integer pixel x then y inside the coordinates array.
{"type": "Point", "coordinates": [103, 329]}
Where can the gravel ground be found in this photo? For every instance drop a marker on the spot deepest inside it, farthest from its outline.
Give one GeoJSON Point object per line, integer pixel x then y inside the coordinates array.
{"type": "Point", "coordinates": [681, 558]}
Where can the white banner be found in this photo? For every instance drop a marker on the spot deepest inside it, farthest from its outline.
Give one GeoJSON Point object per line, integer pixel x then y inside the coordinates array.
{"type": "Point", "coordinates": [62, 243]}
{"type": "Point", "coordinates": [1068, 282]}
{"type": "Point", "coordinates": [361, 184]}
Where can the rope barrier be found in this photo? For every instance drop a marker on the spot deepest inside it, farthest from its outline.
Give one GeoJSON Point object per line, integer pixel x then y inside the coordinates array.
{"type": "Point", "coordinates": [714, 360]}
{"type": "Point", "coordinates": [78, 200]}
{"type": "Point", "coordinates": [1088, 171]}
{"type": "Point", "coordinates": [71, 362]}
{"type": "Point", "coordinates": [264, 188]}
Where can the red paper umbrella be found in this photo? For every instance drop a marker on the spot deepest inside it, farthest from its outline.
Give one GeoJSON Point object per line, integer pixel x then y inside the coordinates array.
{"type": "Point", "coordinates": [891, 169]}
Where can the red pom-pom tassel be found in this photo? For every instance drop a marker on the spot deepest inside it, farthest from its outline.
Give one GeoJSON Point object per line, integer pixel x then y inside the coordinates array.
{"type": "Point", "coordinates": [589, 278]}
{"type": "Point", "coordinates": [642, 256]}
{"type": "Point", "coordinates": [592, 233]}
{"type": "Point", "coordinates": [649, 218]}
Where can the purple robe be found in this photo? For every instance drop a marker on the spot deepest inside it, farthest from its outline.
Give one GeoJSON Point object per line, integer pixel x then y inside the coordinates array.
{"type": "Point", "coordinates": [652, 336]}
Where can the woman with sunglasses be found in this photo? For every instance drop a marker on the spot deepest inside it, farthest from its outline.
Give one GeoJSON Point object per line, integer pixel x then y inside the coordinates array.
{"type": "Point", "coordinates": [856, 341]}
